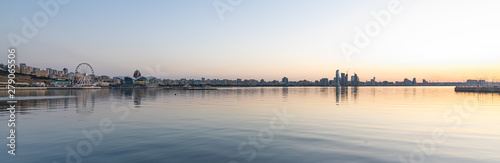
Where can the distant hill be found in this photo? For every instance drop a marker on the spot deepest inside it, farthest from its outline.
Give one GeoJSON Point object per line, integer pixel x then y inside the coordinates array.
{"type": "Point", "coordinates": [22, 78]}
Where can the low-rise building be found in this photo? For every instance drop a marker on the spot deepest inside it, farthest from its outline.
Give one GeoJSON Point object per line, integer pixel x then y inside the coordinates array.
{"type": "Point", "coordinates": [60, 83]}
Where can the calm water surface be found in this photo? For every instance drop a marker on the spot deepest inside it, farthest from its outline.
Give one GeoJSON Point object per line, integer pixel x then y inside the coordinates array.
{"type": "Point", "coordinates": [296, 124]}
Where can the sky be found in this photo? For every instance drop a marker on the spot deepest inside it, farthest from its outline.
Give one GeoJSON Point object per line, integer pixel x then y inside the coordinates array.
{"type": "Point", "coordinates": [446, 40]}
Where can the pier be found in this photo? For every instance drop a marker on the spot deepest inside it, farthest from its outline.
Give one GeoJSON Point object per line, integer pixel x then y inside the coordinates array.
{"type": "Point", "coordinates": [495, 89]}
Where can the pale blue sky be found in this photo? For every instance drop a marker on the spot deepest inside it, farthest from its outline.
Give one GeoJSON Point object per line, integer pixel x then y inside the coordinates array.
{"type": "Point", "coordinates": [260, 38]}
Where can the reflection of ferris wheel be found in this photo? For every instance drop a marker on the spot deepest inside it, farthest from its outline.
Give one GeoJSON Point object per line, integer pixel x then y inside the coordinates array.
{"type": "Point", "coordinates": [83, 75]}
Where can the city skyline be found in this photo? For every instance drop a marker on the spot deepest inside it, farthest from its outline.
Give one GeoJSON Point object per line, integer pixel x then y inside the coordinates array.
{"type": "Point", "coordinates": [256, 41]}
{"type": "Point", "coordinates": [250, 81]}
{"type": "Point", "coordinates": [339, 78]}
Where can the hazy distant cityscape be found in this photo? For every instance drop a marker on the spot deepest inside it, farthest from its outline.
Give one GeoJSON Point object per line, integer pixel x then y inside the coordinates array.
{"type": "Point", "coordinates": [235, 81]}
{"type": "Point", "coordinates": [64, 78]}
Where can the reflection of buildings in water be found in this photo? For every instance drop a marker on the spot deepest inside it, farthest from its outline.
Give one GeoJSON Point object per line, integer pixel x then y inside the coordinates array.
{"type": "Point", "coordinates": [354, 93]}
{"type": "Point", "coordinates": [85, 102]}
{"type": "Point", "coordinates": [284, 92]}
{"type": "Point", "coordinates": [275, 91]}
{"type": "Point", "coordinates": [66, 103]}
{"type": "Point", "coordinates": [152, 93]}
{"type": "Point", "coordinates": [203, 93]}
{"type": "Point", "coordinates": [337, 95]}
{"type": "Point", "coordinates": [24, 106]}
{"type": "Point", "coordinates": [247, 91]}
{"type": "Point", "coordinates": [84, 111]}
{"type": "Point", "coordinates": [104, 93]}
{"type": "Point", "coordinates": [342, 94]}
{"type": "Point", "coordinates": [137, 95]}
{"type": "Point", "coordinates": [131, 94]}
{"type": "Point", "coordinates": [410, 92]}
{"type": "Point", "coordinates": [127, 92]}
{"type": "Point", "coordinates": [324, 91]}
{"type": "Point", "coordinates": [480, 96]}
{"type": "Point", "coordinates": [238, 92]}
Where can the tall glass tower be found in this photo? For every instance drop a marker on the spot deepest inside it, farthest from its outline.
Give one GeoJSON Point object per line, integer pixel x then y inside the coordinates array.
{"type": "Point", "coordinates": [342, 79]}
{"type": "Point", "coordinates": [337, 79]}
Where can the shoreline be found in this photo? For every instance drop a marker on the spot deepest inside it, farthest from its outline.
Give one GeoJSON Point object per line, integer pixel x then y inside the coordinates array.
{"type": "Point", "coordinates": [457, 88]}
{"type": "Point", "coordinates": [192, 88]}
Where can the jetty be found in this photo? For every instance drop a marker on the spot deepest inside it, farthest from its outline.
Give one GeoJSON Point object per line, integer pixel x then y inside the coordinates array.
{"type": "Point", "coordinates": [490, 89]}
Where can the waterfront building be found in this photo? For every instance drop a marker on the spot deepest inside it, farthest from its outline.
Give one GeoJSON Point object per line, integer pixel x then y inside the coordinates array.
{"type": "Point", "coordinates": [342, 76]}
{"type": "Point", "coordinates": [472, 82]}
{"type": "Point", "coordinates": [137, 74]}
{"type": "Point", "coordinates": [355, 80]}
{"type": "Point", "coordinates": [49, 71]}
{"type": "Point", "coordinates": [284, 80]}
{"type": "Point", "coordinates": [407, 82]}
{"type": "Point", "coordinates": [105, 78]}
{"type": "Point", "coordinates": [346, 80]}
{"type": "Point", "coordinates": [337, 78]}
{"type": "Point", "coordinates": [38, 84]}
{"type": "Point", "coordinates": [22, 67]}
{"type": "Point", "coordinates": [60, 83]}
{"type": "Point", "coordinates": [482, 83]}
{"type": "Point", "coordinates": [136, 80]}
{"type": "Point", "coordinates": [323, 82]}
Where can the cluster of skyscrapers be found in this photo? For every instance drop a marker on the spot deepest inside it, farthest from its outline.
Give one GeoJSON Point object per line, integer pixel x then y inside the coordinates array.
{"type": "Point", "coordinates": [342, 79]}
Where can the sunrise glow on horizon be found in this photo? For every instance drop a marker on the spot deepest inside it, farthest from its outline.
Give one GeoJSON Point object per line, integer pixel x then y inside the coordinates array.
{"type": "Point", "coordinates": [437, 41]}
{"type": "Point", "coordinates": [255, 81]}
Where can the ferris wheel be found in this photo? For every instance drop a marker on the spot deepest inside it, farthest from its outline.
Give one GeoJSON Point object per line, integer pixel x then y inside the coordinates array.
{"type": "Point", "coordinates": [83, 75]}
